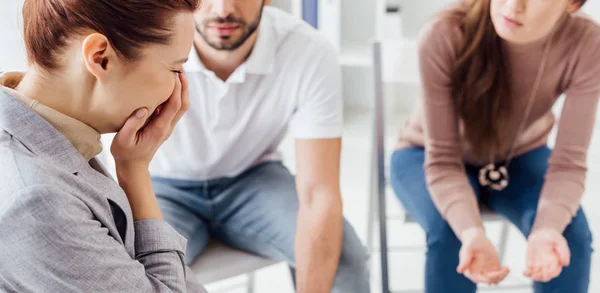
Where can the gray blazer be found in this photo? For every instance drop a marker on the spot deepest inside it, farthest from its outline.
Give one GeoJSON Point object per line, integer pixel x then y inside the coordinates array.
{"type": "Point", "coordinates": [65, 226]}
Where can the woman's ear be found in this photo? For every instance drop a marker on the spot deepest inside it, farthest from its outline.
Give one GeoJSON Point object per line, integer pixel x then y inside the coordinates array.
{"type": "Point", "coordinates": [573, 6]}
{"type": "Point", "coordinates": [98, 55]}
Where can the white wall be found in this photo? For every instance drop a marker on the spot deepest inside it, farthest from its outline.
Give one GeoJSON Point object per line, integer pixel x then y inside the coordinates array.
{"type": "Point", "coordinates": [12, 52]}
{"type": "Point", "coordinates": [415, 13]}
{"type": "Point", "coordinates": [285, 5]}
{"type": "Point", "coordinates": [592, 7]}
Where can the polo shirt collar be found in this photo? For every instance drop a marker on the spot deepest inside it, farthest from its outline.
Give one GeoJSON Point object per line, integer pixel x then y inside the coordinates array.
{"type": "Point", "coordinates": [262, 58]}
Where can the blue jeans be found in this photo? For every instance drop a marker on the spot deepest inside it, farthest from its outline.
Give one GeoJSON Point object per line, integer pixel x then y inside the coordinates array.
{"type": "Point", "coordinates": [257, 212]}
{"type": "Point", "coordinates": [518, 203]}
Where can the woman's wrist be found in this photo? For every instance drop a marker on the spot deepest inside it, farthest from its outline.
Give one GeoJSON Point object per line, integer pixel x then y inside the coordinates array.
{"type": "Point", "coordinates": [551, 216]}
{"type": "Point", "coordinates": [131, 167]}
{"type": "Point", "coordinates": [135, 181]}
{"type": "Point", "coordinates": [463, 215]}
{"type": "Point", "coordinates": [131, 173]}
{"type": "Point", "coordinates": [470, 234]}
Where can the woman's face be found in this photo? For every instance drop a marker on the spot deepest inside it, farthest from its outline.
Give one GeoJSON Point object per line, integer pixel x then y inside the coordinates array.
{"type": "Point", "coordinates": [147, 82]}
{"type": "Point", "coordinates": [525, 21]}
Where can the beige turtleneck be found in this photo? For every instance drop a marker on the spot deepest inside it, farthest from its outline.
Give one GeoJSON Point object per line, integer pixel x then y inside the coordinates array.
{"type": "Point", "coordinates": [83, 137]}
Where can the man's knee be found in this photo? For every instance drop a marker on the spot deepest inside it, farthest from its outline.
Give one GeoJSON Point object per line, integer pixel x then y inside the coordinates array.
{"type": "Point", "coordinates": [354, 256]}
{"type": "Point", "coordinates": [353, 272]}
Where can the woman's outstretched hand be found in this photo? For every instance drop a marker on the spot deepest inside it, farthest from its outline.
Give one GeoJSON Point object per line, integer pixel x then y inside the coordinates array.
{"type": "Point", "coordinates": [547, 254]}
{"type": "Point", "coordinates": [478, 259]}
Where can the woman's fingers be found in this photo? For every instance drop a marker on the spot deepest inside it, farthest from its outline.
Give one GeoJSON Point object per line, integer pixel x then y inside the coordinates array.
{"type": "Point", "coordinates": [487, 272]}
{"type": "Point", "coordinates": [466, 259]}
{"type": "Point", "coordinates": [538, 272]}
{"type": "Point", "coordinates": [134, 123]}
{"type": "Point", "coordinates": [496, 277]}
{"type": "Point", "coordinates": [475, 277]}
{"type": "Point", "coordinates": [170, 108]}
{"type": "Point", "coordinates": [561, 248]}
{"type": "Point", "coordinates": [543, 268]}
{"type": "Point", "coordinates": [549, 269]}
{"type": "Point", "coordinates": [550, 272]}
{"type": "Point", "coordinates": [547, 253]}
{"type": "Point", "coordinates": [533, 270]}
{"type": "Point", "coordinates": [185, 99]}
{"type": "Point", "coordinates": [533, 261]}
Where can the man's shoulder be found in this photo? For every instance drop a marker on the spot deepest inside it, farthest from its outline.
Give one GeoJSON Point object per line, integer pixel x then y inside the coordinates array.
{"type": "Point", "coordinates": [294, 35]}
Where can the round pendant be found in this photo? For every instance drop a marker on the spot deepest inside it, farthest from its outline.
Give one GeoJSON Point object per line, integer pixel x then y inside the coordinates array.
{"type": "Point", "coordinates": [493, 177]}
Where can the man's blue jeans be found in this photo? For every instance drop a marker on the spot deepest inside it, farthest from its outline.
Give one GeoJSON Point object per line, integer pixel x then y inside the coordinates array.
{"type": "Point", "coordinates": [518, 203]}
{"type": "Point", "coordinates": [256, 211]}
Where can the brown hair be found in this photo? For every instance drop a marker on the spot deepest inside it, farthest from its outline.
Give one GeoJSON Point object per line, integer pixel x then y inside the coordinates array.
{"type": "Point", "coordinates": [480, 80]}
{"type": "Point", "coordinates": [128, 25]}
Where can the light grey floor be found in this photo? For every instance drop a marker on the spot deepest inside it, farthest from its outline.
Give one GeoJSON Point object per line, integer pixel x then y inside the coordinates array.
{"type": "Point", "coordinates": [406, 267]}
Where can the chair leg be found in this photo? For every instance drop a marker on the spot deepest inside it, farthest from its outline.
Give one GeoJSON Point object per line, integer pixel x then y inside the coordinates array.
{"type": "Point", "coordinates": [373, 211]}
{"type": "Point", "coordinates": [379, 162]}
{"type": "Point", "coordinates": [503, 241]}
{"type": "Point", "coordinates": [251, 280]}
{"type": "Point", "coordinates": [385, 283]}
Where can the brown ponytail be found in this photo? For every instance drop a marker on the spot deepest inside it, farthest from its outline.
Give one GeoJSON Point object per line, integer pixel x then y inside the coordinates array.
{"type": "Point", "coordinates": [128, 25]}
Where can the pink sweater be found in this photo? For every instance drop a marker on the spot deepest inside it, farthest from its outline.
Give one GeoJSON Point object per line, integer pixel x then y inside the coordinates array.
{"type": "Point", "coordinates": [573, 68]}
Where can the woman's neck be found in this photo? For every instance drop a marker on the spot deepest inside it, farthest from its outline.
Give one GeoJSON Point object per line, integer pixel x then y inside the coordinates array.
{"type": "Point", "coordinates": [538, 45]}
{"type": "Point", "coordinates": [60, 92]}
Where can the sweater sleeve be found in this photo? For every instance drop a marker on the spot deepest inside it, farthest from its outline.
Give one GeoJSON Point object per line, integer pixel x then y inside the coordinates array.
{"type": "Point", "coordinates": [444, 167]}
{"type": "Point", "coordinates": [567, 167]}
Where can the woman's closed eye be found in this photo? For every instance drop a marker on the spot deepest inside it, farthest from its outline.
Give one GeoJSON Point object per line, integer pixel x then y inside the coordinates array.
{"type": "Point", "coordinates": [177, 71]}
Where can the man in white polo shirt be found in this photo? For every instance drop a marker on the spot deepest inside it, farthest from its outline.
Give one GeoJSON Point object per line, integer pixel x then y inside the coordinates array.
{"type": "Point", "coordinates": [255, 72]}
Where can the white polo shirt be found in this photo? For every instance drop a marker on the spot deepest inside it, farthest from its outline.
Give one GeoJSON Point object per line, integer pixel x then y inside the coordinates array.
{"type": "Point", "coordinates": [292, 78]}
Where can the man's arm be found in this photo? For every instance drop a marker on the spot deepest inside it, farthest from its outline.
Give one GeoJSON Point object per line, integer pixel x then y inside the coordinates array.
{"type": "Point", "coordinates": [320, 220]}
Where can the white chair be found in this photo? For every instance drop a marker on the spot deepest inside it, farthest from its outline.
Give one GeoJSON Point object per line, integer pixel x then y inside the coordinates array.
{"type": "Point", "coordinates": [394, 62]}
{"type": "Point", "coordinates": [219, 262]}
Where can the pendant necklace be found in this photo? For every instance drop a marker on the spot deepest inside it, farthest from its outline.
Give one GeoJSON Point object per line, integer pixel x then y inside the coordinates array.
{"type": "Point", "coordinates": [495, 176]}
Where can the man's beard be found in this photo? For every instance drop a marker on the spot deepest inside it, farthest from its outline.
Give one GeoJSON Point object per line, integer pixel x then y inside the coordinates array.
{"type": "Point", "coordinates": [248, 31]}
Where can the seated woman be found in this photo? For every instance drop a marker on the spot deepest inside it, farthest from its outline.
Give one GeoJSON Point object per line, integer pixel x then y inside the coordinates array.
{"type": "Point", "coordinates": [491, 71]}
{"type": "Point", "coordinates": [95, 67]}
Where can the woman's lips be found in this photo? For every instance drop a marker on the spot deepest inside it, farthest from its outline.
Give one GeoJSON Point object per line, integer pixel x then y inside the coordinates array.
{"type": "Point", "coordinates": [511, 23]}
